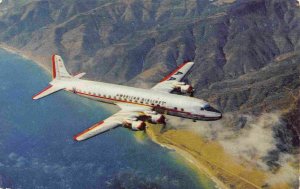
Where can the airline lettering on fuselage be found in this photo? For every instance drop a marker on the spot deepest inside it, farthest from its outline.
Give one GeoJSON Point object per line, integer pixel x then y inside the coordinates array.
{"type": "Point", "coordinates": [172, 78]}
{"type": "Point", "coordinates": [128, 97]}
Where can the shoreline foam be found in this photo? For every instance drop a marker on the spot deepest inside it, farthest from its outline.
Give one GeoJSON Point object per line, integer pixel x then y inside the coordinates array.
{"type": "Point", "coordinates": [201, 169]}
{"type": "Point", "coordinates": [26, 55]}
{"type": "Point", "coordinates": [38, 61]}
{"type": "Point", "coordinates": [209, 158]}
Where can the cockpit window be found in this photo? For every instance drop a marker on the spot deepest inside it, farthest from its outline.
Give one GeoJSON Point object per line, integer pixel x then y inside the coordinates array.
{"type": "Point", "coordinates": [210, 108]}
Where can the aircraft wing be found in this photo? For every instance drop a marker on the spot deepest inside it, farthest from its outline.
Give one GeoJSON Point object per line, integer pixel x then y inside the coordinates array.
{"type": "Point", "coordinates": [126, 112]}
{"type": "Point", "coordinates": [167, 83]}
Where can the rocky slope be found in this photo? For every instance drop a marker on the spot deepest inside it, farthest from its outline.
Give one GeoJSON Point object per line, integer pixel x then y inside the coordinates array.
{"type": "Point", "coordinates": [246, 52]}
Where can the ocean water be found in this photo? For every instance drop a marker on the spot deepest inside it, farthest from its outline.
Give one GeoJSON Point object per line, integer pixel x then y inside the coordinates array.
{"type": "Point", "coordinates": [37, 148]}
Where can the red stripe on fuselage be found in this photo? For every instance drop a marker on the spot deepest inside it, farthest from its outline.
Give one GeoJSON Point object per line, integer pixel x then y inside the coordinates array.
{"type": "Point", "coordinates": [53, 67]}
{"type": "Point", "coordinates": [170, 75]}
{"type": "Point", "coordinates": [173, 110]}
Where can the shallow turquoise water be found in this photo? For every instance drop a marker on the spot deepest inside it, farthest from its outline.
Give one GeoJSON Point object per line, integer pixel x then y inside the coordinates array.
{"type": "Point", "coordinates": [37, 149]}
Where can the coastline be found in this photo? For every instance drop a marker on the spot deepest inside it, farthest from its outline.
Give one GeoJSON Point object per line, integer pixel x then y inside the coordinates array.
{"type": "Point", "coordinates": [190, 159]}
{"type": "Point", "coordinates": [38, 61]}
{"type": "Point", "coordinates": [26, 55]}
{"type": "Point", "coordinates": [209, 158]}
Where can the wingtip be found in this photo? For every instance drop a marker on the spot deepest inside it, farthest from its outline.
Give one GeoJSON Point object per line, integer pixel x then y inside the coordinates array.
{"type": "Point", "coordinates": [75, 138]}
{"type": "Point", "coordinates": [188, 62]}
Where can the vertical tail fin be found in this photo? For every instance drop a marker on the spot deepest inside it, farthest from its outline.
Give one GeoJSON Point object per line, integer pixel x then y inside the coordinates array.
{"type": "Point", "coordinates": [58, 71]}
{"type": "Point", "coordinates": [58, 68]}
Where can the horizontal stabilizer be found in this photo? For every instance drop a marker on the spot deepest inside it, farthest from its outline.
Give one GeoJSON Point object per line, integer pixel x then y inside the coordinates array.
{"type": "Point", "coordinates": [47, 91]}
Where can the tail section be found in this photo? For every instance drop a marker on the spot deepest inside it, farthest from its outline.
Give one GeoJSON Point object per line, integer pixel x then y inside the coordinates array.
{"type": "Point", "coordinates": [58, 68]}
{"type": "Point", "coordinates": [59, 72]}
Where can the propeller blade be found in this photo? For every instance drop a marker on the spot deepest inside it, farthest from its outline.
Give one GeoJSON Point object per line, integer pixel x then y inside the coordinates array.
{"type": "Point", "coordinates": [192, 94]}
{"type": "Point", "coordinates": [163, 128]}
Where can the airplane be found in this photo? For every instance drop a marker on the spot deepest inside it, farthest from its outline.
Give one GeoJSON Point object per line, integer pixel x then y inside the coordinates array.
{"type": "Point", "coordinates": [137, 106]}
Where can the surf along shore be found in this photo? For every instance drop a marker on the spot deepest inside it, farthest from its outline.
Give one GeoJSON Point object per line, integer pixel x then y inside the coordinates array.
{"type": "Point", "coordinates": [210, 157]}
{"type": "Point", "coordinates": [201, 156]}
{"type": "Point", "coordinates": [29, 56]}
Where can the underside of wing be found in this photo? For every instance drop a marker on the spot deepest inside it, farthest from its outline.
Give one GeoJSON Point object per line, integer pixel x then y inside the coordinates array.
{"type": "Point", "coordinates": [96, 129]}
{"type": "Point", "coordinates": [47, 91]}
{"type": "Point", "coordinates": [172, 81]}
{"type": "Point", "coordinates": [127, 117]}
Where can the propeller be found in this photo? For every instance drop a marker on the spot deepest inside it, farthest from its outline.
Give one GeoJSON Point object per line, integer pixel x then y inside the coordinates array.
{"type": "Point", "coordinates": [74, 90]}
{"type": "Point", "coordinates": [164, 127]}
{"type": "Point", "coordinates": [145, 130]}
{"type": "Point", "coordinates": [192, 93]}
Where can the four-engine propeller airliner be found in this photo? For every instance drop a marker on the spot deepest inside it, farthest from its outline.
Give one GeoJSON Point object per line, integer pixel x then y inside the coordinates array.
{"type": "Point", "coordinates": [137, 105]}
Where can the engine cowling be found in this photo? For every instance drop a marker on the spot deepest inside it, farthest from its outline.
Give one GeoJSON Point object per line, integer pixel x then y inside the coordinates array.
{"type": "Point", "coordinates": [186, 89]}
{"type": "Point", "coordinates": [158, 118]}
{"type": "Point", "coordinates": [183, 87]}
{"type": "Point", "coordinates": [135, 125]}
{"type": "Point", "coordinates": [154, 117]}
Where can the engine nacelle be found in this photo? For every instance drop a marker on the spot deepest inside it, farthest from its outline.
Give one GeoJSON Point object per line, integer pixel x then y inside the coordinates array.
{"type": "Point", "coordinates": [158, 118]}
{"type": "Point", "coordinates": [186, 89]}
{"type": "Point", "coordinates": [135, 125]}
{"type": "Point", "coordinates": [154, 117]}
{"type": "Point", "coordinates": [183, 87]}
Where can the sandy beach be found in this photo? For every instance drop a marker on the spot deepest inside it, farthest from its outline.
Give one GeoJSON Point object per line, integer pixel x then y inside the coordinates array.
{"type": "Point", "coordinates": [28, 56]}
{"type": "Point", "coordinates": [189, 158]}
{"type": "Point", "coordinates": [211, 159]}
